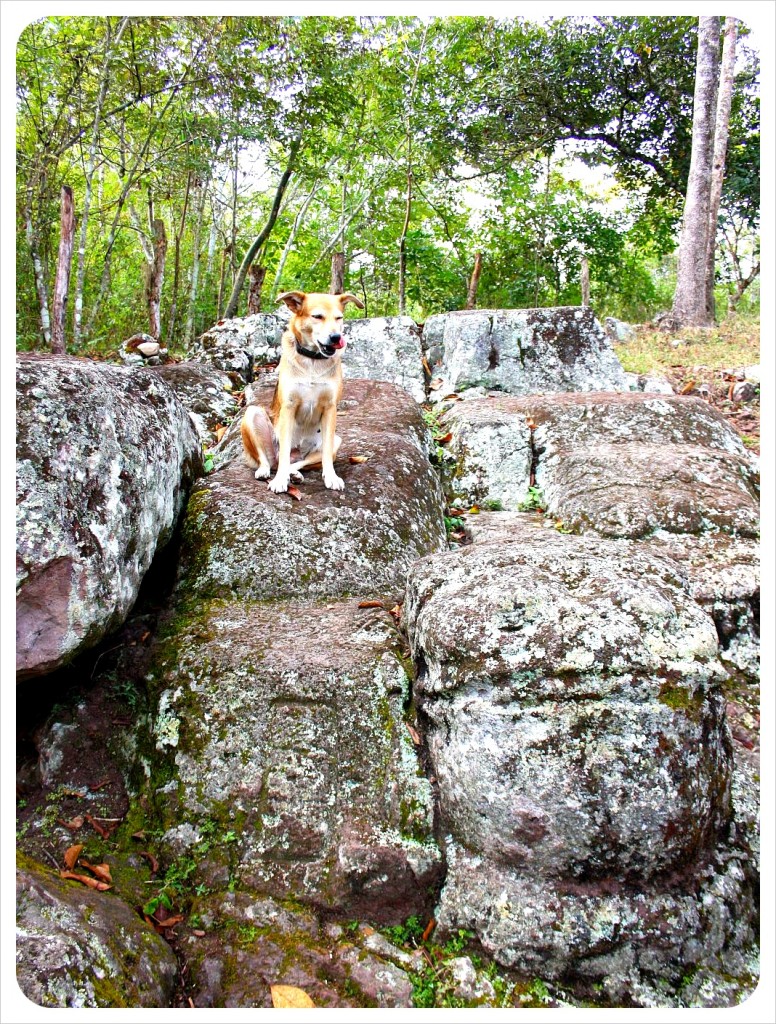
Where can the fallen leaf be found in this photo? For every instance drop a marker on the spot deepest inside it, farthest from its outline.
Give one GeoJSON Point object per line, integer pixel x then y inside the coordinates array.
{"type": "Point", "coordinates": [101, 871]}
{"type": "Point", "coordinates": [396, 611]}
{"type": "Point", "coordinates": [139, 835]}
{"type": "Point", "coordinates": [168, 922]}
{"type": "Point", "coordinates": [73, 824]}
{"type": "Point", "coordinates": [295, 492]}
{"type": "Point", "coordinates": [443, 440]}
{"type": "Point", "coordinates": [71, 856]}
{"type": "Point", "coordinates": [456, 512]}
{"type": "Point", "coordinates": [452, 398]}
{"type": "Point", "coordinates": [199, 933]}
{"type": "Point", "coordinates": [356, 459]}
{"type": "Point", "coordinates": [530, 423]}
{"type": "Point", "coordinates": [370, 604]}
{"type": "Point", "coordinates": [414, 734]}
{"type": "Point", "coordinates": [104, 832]}
{"type": "Point", "coordinates": [145, 636]}
{"type": "Point", "coordinates": [687, 388]}
{"type": "Point", "coordinates": [436, 384]}
{"type": "Point", "coordinates": [428, 930]}
{"type": "Point", "coordinates": [97, 786]}
{"type": "Point", "coordinates": [154, 863]}
{"type": "Point", "coordinates": [219, 432]}
{"type": "Point", "coordinates": [475, 510]}
{"type": "Point", "coordinates": [92, 883]}
{"type": "Point", "coordinates": [284, 996]}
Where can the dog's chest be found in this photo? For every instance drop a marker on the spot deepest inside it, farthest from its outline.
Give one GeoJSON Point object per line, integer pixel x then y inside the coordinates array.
{"type": "Point", "coordinates": [312, 400]}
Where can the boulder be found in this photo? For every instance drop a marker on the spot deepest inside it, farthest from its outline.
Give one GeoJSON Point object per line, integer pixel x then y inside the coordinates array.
{"type": "Point", "coordinates": [105, 457]}
{"type": "Point", "coordinates": [283, 722]}
{"type": "Point", "coordinates": [651, 385]}
{"type": "Point", "coordinates": [617, 464]}
{"type": "Point", "coordinates": [206, 392]}
{"type": "Point", "coordinates": [248, 944]}
{"type": "Point", "coordinates": [618, 330]}
{"type": "Point", "coordinates": [387, 349]}
{"type": "Point", "coordinates": [522, 351]}
{"type": "Point", "coordinates": [571, 688]}
{"type": "Point", "coordinates": [241, 344]}
{"type": "Point", "coordinates": [241, 539]}
{"type": "Point", "coordinates": [79, 948]}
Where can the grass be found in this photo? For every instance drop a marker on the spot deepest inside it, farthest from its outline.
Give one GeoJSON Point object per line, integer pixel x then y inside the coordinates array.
{"type": "Point", "coordinates": [730, 345]}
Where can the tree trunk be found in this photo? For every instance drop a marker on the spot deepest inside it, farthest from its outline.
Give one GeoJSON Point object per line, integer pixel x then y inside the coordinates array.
{"type": "Point", "coordinates": [337, 282]}
{"type": "Point", "coordinates": [234, 298]}
{"type": "Point", "coordinates": [195, 268]}
{"type": "Point", "coordinates": [256, 275]}
{"type": "Point", "coordinates": [721, 133]}
{"type": "Point", "coordinates": [40, 276]}
{"type": "Point", "coordinates": [222, 280]}
{"type": "Point", "coordinates": [741, 285]}
{"type": "Point", "coordinates": [62, 280]}
{"type": "Point", "coordinates": [584, 278]}
{"type": "Point", "coordinates": [690, 299]}
{"type": "Point", "coordinates": [290, 240]}
{"type": "Point", "coordinates": [471, 295]}
{"type": "Point", "coordinates": [403, 246]}
{"type": "Point", "coordinates": [78, 298]}
{"type": "Point", "coordinates": [154, 279]}
{"type": "Point", "coordinates": [177, 265]}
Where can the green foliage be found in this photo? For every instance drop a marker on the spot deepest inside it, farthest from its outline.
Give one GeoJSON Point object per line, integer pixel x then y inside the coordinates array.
{"type": "Point", "coordinates": [194, 118]}
{"type": "Point", "coordinates": [534, 502]}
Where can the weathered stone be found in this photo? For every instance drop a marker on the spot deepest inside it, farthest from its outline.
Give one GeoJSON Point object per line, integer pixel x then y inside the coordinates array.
{"type": "Point", "coordinates": [745, 391]}
{"type": "Point", "coordinates": [80, 948]}
{"type": "Point", "coordinates": [251, 944]}
{"type": "Point", "coordinates": [469, 985]}
{"type": "Point", "coordinates": [207, 393]}
{"type": "Point", "coordinates": [241, 344]}
{"type": "Point", "coordinates": [285, 722]}
{"type": "Point", "coordinates": [105, 456]}
{"type": "Point", "coordinates": [618, 464]}
{"type": "Point", "coordinates": [523, 351]}
{"type": "Point", "coordinates": [650, 385]}
{"type": "Point", "coordinates": [618, 330]}
{"type": "Point", "coordinates": [242, 539]}
{"type": "Point", "coordinates": [387, 349]}
{"type": "Point", "coordinates": [576, 727]}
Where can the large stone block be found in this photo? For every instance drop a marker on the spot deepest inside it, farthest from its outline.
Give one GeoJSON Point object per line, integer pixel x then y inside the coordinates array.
{"type": "Point", "coordinates": [241, 538]}
{"type": "Point", "coordinates": [284, 722]}
{"type": "Point", "coordinates": [387, 349]}
{"type": "Point", "coordinates": [105, 457]}
{"type": "Point", "coordinates": [522, 351]}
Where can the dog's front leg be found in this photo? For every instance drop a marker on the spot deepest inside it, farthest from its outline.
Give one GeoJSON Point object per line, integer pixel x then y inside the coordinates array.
{"type": "Point", "coordinates": [284, 429]}
{"type": "Point", "coordinates": [328, 448]}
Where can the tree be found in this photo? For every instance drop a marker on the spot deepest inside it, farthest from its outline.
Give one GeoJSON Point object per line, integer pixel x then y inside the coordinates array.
{"type": "Point", "coordinates": [691, 303]}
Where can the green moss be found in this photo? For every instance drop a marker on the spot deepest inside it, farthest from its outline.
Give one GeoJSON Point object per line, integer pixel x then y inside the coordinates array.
{"type": "Point", "coordinates": [680, 699]}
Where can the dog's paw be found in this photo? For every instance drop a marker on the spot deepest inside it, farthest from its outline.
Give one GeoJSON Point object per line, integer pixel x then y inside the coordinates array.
{"type": "Point", "coordinates": [262, 473]}
{"type": "Point", "coordinates": [333, 482]}
{"type": "Point", "coordinates": [279, 485]}
{"type": "Point", "coordinates": [297, 476]}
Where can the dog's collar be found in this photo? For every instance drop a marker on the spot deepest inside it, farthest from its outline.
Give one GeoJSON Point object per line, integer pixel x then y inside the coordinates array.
{"type": "Point", "coordinates": [309, 352]}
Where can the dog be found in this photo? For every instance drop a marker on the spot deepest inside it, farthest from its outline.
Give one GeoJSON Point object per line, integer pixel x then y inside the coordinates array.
{"type": "Point", "coordinates": [300, 429]}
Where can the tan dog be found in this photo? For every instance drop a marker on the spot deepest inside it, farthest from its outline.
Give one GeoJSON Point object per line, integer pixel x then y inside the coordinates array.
{"type": "Point", "coordinates": [303, 416]}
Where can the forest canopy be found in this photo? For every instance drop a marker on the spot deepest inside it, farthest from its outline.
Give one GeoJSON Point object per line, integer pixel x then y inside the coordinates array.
{"type": "Point", "coordinates": [406, 145]}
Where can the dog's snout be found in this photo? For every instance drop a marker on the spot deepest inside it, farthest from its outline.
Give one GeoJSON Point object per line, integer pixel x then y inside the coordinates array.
{"type": "Point", "coordinates": [334, 337]}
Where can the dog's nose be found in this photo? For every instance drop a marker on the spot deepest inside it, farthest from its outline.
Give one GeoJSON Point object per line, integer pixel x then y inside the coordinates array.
{"type": "Point", "coordinates": [334, 338]}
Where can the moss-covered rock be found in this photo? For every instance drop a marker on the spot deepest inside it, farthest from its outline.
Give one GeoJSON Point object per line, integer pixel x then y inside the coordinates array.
{"type": "Point", "coordinates": [79, 948]}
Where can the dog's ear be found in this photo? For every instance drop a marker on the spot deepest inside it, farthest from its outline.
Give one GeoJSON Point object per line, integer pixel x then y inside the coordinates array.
{"type": "Point", "coordinates": [293, 300]}
{"type": "Point", "coordinates": [347, 297]}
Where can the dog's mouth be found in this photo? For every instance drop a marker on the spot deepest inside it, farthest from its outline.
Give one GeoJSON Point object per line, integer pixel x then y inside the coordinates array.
{"type": "Point", "coordinates": [333, 346]}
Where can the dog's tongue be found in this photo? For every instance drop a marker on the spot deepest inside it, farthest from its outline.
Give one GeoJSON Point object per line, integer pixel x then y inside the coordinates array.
{"type": "Point", "coordinates": [339, 344]}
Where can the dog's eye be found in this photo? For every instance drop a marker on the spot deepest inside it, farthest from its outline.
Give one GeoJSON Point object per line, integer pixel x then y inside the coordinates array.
{"type": "Point", "coordinates": [318, 316]}
{"type": "Point", "coordinates": [339, 317]}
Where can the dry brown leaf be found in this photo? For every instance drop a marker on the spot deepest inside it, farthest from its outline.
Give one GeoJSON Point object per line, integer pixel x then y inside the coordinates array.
{"type": "Point", "coordinates": [436, 384]}
{"type": "Point", "coordinates": [153, 862]}
{"type": "Point", "coordinates": [452, 398]}
{"type": "Point", "coordinates": [199, 933]}
{"type": "Point", "coordinates": [288, 996]}
{"type": "Point", "coordinates": [72, 853]}
{"type": "Point", "coordinates": [370, 604]}
{"type": "Point", "coordinates": [356, 459]}
{"type": "Point", "coordinates": [396, 611]}
{"type": "Point", "coordinates": [530, 423]}
{"type": "Point", "coordinates": [443, 440]}
{"type": "Point", "coordinates": [97, 786]}
{"type": "Point", "coordinates": [102, 871]}
{"type": "Point", "coordinates": [687, 388]}
{"type": "Point", "coordinates": [295, 492]}
{"type": "Point", "coordinates": [219, 432]}
{"type": "Point", "coordinates": [456, 512]}
{"type": "Point", "coordinates": [428, 930]}
{"type": "Point", "coordinates": [139, 835]}
{"type": "Point", "coordinates": [426, 367]}
{"type": "Point", "coordinates": [104, 832]}
{"type": "Point", "coordinates": [92, 883]}
{"type": "Point", "coordinates": [414, 734]}
{"type": "Point", "coordinates": [74, 824]}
